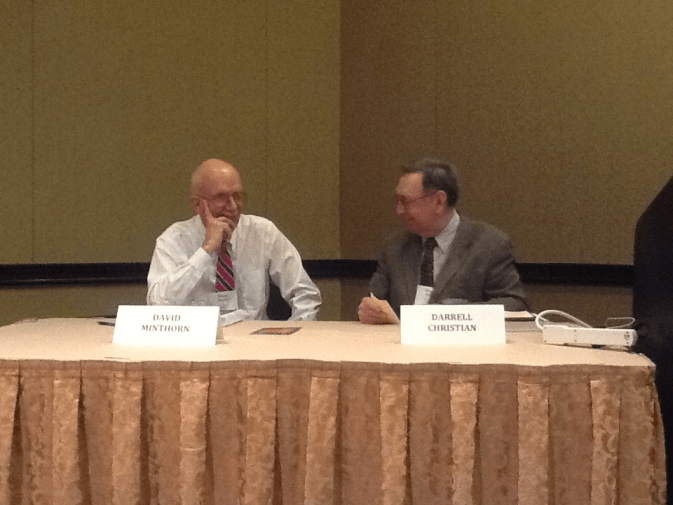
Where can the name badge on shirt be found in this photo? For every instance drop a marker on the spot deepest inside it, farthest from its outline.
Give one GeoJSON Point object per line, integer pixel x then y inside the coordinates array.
{"type": "Point", "coordinates": [227, 301]}
{"type": "Point", "coordinates": [422, 295]}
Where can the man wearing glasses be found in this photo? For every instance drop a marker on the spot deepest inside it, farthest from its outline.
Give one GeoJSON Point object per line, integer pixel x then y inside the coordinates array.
{"type": "Point", "coordinates": [225, 258]}
{"type": "Point", "coordinates": [441, 258]}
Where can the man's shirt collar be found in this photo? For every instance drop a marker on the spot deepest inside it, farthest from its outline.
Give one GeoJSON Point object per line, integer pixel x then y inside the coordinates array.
{"type": "Point", "coordinates": [445, 237]}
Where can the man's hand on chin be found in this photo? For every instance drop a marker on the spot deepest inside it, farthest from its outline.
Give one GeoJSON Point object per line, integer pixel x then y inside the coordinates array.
{"type": "Point", "coordinates": [217, 228]}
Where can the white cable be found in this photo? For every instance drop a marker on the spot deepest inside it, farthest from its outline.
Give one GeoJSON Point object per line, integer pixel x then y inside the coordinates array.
{"type": "Point", "coordinates": [540, 317]}
{"type": "Point", "coordinates": [610, 322]}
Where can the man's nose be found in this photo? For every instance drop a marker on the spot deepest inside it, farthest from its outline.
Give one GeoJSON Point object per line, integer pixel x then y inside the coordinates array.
{"type": "Point", "coordinates": [229, 202]}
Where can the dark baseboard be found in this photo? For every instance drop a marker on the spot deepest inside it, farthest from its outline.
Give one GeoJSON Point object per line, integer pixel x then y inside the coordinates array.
{"type": "Point", "coordinates": [50, 274]}
{"type": "Point", "coordinates": [72, 274]}
{"type": "Point", "coordinates": [583, 274]}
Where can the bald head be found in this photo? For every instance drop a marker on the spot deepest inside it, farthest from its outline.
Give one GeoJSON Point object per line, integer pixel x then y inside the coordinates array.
{"type": "Point", "coordinates": [217, 184]}
{"type": "Point", "coordinates": [209, 171]}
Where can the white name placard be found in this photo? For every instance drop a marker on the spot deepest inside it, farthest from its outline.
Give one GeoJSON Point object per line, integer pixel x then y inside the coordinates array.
{"type": "Point", "coordinates": [452, 324]}
{"type": "Point", "coordinates": [166, 326]}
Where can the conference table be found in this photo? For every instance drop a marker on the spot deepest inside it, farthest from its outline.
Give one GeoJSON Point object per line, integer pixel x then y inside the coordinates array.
{"type": "Point", "coordinates": [334, 413]}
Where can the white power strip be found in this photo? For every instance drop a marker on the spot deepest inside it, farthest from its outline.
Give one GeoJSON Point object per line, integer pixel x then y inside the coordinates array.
{"type": "Point", "coordinates": [562, 334]}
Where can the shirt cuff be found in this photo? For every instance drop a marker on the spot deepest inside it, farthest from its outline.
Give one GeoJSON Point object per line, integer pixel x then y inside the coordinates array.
{"type": "Point", "coordinates": [202, 259]}
{"type": "Point", "coordinates": [232, 317]}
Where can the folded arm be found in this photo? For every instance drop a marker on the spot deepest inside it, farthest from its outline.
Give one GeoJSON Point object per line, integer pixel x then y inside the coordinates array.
{"type": "Point", "coordinates": [173, 275]}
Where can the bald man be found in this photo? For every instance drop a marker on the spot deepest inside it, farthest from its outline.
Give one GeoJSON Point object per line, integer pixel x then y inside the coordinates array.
{"type": "Point", "coordinates": [226, 258]}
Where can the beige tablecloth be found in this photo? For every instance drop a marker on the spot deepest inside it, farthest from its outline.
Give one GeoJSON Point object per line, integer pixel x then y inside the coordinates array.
{"type": "Point", "coordinates": [337, 413]}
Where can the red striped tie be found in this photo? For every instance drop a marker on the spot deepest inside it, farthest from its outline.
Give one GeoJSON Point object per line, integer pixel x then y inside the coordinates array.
{"type": "Point", "coordinates": [224, 278]}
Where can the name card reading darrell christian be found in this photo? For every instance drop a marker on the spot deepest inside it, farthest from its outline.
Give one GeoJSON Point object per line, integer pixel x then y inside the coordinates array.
{"type": "Point", "coordinates": [452, 325]}
{"type": "Point", "coordinates": [166, 326]}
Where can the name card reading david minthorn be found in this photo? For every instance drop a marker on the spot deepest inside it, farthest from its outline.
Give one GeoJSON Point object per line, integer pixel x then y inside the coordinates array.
{"type": "Point", "coordinates": [166, 326]}
{"type": "Point", "coordinates": [452, 325]}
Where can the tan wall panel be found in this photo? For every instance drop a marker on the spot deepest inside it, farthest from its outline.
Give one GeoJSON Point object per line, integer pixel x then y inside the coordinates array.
{"type": "Point", "coordinates": [558, 114]}
{"type": "Point", "coordinates": [77, 301]}
{"type": "Point", "coordinates": [303, 124]}
{"type": "Point", "coordinates": [16, 210]}
{"type": "Point", "coordinates": [387, 111]}
{"type": "Point", "coordinates": [130, 96]}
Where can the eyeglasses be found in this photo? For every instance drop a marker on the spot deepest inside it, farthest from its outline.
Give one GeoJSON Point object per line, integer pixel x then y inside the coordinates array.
{"type": "Point", "coordinates": [226, 198]}
{"type": "Point", "coordinates": [405, 203]}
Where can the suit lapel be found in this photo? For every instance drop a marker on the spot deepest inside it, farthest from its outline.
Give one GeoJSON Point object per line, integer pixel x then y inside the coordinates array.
{"type": "Point", "coordinates": [461, 244]}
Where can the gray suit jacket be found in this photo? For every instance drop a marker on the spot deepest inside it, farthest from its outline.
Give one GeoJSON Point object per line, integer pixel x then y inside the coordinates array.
{"type": "Point", "coordinates": [479, 269]}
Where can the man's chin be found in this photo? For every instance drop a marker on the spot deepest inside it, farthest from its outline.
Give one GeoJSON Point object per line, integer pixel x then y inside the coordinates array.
{"type": "Point", "coordinates": [233, 219]}
{"type": "Point", "coordinates": [410, 225]}
{"type": "Point", "coordinates": [416, 230]}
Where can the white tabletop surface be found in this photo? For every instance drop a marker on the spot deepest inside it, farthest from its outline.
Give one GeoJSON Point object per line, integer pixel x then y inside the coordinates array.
{"type": "Point", "coordinates": [86, 339]}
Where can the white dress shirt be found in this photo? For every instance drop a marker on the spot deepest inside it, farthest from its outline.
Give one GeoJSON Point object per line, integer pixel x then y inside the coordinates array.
{"type": "Point", "coordinates": [183, 273]}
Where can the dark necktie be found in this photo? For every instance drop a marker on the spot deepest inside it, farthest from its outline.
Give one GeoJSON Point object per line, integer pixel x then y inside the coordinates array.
{"type": "Point", "coordinates": [224, 278]}
{"type": "Point", "coordinates": [427, 278]}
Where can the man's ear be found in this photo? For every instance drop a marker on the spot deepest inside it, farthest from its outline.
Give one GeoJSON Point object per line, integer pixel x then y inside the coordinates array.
{"type": "Point", "coordinates": [442, 198]}
{"type": "Point", "coordinates": [194, 202]}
